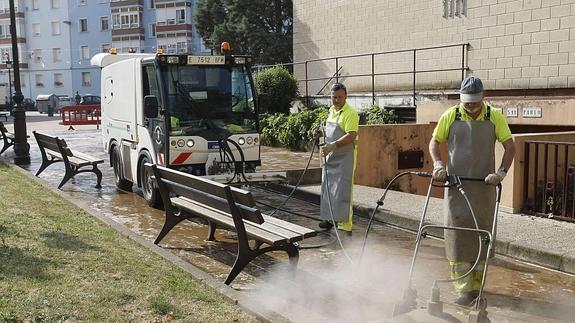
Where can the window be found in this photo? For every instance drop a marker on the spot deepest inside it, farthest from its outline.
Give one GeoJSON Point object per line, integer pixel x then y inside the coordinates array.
{"type": "Point", "coordinates": [82, 2]}
{"type": "Point", "coordinates": [35, 4]}
{"type": "Point", "coordinates": [54, 4]}
{"type": "Point", "coordinates": [104, 23]}
{"type": "Point", "coordinates": [37, 55]}
{"type": "Point", "coordinates": [86, 79]}
{"type": "Point", "coordinates": [83, 23]}
{"type": "Point", "coordinates": [152, 30]}
{"type": "Point", "coordinates": [58, 79]}
{"type": "Point", "coordinates": [454, 8]}
{"type": "Point", "coordinates": [4, 31]}
{"type": "Point", "coordinates": [105, 48]}
{"type": "Point", "coordinates": [152, 4]}
{"type": "Point", "coordinates": [182, 47]}
{"type": "Point", "coordinates": [85, 52]}
{"type": "Point", "coordinates": [5, 54]}
{"type": "Point", "coordinates": [55, 28]}
{"type": "Point", "coordinates": [39, 80]}
{"type": "Point", "coordinates": [125, 20]}
{"type": "Point", "coordinates": [181, 16]}
{"type": "Point", "coordinates": [57, 54]}
{"type": "Point", "coordinates": [36, 29]}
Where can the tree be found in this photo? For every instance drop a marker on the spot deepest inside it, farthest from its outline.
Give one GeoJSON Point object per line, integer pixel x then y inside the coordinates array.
{"type": "Point", "coordinates": [260, 28]}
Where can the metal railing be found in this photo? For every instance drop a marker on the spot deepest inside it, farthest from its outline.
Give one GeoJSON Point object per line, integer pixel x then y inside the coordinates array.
{"type": "Point", "coordinates": [413, 71]}
{"type": "Point", "coordinates": [549, 179]}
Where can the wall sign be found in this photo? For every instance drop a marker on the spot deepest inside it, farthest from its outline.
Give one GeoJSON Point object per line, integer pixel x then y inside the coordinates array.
{"type": "Point", "coordinates": [511, 112]}
{"type": "Point", "coordinates": [531, 112]}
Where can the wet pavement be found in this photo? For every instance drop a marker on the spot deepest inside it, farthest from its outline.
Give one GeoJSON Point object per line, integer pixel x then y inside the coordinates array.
{"type": "Point", "coordinates": [331, 284]}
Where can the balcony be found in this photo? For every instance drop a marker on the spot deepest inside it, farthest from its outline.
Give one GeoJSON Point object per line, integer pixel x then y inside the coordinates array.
{"type": "Point", "coordinates": [167, 27]}
{"type": "Point", "coordinates": [125, 3]}
{"type": "Point", "coordinates": [128, 31]}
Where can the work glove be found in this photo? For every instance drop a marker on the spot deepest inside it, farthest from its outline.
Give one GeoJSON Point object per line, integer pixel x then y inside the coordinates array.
{"type": "Point", "coordinates": [439, 172]}
{"type": "Point", "coordinates": [317, 134]}
{"type": "Point", "coordinates": [495, 178]}
{"type": "Point", "coordinates": [327, 148]}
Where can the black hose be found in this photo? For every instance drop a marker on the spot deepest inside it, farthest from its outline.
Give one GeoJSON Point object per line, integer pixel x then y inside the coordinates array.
{"type": "Point", "coordinates": [298, 182]}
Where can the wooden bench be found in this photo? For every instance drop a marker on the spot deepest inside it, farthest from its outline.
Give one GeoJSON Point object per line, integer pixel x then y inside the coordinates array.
{"type": "Point", "coordinates": [58, 151]}
{"type": "Point", "coordinates": [7, 137]}
{"type": "Point", "coordinates": [186, 196]}
{"type": "Point", "coordinates": [4, 115]}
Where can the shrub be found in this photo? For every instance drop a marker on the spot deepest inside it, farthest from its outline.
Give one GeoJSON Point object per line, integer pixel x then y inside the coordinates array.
{"type": "Point", "coordinates": [294, 131]}
{"type": "Point", "coordinates": [376, 115]}
{"type": "Point", "coordinates": [279, 88]}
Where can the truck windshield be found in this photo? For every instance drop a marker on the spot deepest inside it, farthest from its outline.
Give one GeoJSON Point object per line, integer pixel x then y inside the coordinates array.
{"type": "Point", "coordinates": [209, 101]}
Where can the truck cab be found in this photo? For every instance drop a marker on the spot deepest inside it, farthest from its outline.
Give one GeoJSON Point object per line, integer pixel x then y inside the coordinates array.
{"type": "Point", "coordinates": [196, 114]}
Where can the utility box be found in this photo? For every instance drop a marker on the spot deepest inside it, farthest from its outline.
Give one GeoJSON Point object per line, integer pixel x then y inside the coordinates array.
{"type": "Point", "coordinates": [43, 101]}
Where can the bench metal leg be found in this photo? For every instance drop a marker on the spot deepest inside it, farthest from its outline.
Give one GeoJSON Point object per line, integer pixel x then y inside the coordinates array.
{"type": "Point", "coordinates": [7, 144]}
{"type": "Point", "coordinates": [98, 175]}
{"type": "Point", "coordinates": [244, 257]}
{"type": "Point", "coordinates": [211, 231]}
{"type": "Point", "coordinates": [69, 174]}
{"type": "Point", "coordinates": [171, 221]}
{"type": "Point", "coordinates": [94, 170]}
{"type": "Point", "coordinates": [45, 164]}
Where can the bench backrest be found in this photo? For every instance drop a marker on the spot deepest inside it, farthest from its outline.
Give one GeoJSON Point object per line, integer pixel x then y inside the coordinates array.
{"type": "Point", "coordinates": [204, 191]}
{"type": "Point", "coordinates": [52, 143]}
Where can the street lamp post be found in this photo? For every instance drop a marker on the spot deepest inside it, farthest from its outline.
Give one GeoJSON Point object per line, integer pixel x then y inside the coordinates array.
{"type": "Point", "coordinates": [9, 101]}
{"type": "Point", "coordinates": [21, 146]}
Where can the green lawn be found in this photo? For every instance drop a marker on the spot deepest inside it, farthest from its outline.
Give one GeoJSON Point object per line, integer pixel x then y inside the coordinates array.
{"type": "Point", "coordinates": [58, 263]}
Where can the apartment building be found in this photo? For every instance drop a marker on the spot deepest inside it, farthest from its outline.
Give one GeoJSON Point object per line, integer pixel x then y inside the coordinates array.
{"type": "Point", "coordinates": [57, 38]}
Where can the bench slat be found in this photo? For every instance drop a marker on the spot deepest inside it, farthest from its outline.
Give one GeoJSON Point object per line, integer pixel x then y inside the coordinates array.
{"type": "Point", "coordinates": [47, 142]}
{"type": "Point", "coordinates": [253, 230]}
{"type": "Point", "coordinates": [306, 232]}
{"type": "Point", "coordinates": [85, 157]}
{"type": "Point", "coordinates": [277, 228]}
{"type": "Point", "coordinates": [193, 193]}
{"type": "Point", "coordinates": [240, 196]}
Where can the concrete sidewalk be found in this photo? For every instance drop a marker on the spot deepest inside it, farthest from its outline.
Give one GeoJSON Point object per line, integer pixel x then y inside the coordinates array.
{"type": "Point", "coordinates": [546, 242]}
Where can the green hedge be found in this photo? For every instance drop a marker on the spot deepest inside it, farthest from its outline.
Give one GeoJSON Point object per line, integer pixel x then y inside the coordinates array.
{"type": "Point", "coordinates": [295, 131]}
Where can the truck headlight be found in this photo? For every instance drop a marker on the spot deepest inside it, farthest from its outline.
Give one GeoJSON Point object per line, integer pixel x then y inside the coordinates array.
{"type": "Point", "coordinates": [190, 143]}
{"type": "Point", "coordinates": [181, 143]}
{"type": "Point", "coordinates": [250, 140]}
{"type": "Point", "coordinates": [241, 141]}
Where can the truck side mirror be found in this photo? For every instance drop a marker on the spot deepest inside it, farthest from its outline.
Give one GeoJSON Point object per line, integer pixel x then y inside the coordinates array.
{"type": "Point", "coordinates": [150, 106]}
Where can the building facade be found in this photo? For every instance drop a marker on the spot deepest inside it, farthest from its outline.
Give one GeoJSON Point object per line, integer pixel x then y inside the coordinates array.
{"type": "Point", "coordinates": [57, 39]}
{"type": "Point", "coordinates": [513, 44]}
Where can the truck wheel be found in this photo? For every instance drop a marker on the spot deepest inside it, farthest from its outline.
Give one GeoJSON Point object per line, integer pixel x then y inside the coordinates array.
{"type": "Point", "coordinates": [151, 194]}
{"type": "Point", "coordinates": [119, 180]}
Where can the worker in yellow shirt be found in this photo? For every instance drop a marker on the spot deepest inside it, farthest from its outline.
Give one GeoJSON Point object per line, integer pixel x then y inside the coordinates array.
{"type": "Point", "coordinates": [470, 130]}
{"type": "Point", "coordinates": [340, 153]}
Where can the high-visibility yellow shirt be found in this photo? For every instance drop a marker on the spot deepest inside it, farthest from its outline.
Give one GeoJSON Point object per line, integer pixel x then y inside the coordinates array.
{"type": "Point", "coordinates": [348, 119]}
{"type": "Point", "coordinates": [502, 132]}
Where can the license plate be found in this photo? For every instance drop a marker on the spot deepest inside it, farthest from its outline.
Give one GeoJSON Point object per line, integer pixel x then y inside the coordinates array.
{"type": "Point", "coordinates": [206, 60]}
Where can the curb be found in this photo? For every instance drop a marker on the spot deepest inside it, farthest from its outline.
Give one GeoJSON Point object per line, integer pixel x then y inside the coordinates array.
{"type": "Point", "coordinates": [245, 302]}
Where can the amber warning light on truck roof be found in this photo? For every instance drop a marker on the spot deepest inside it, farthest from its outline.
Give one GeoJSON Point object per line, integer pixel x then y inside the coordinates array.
{"type": "Point", "coordinates": [225, 47]}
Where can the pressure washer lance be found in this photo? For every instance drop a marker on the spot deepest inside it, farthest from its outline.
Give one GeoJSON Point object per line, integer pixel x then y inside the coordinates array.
{"type": "Point", "coordinates": [382, 198]}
